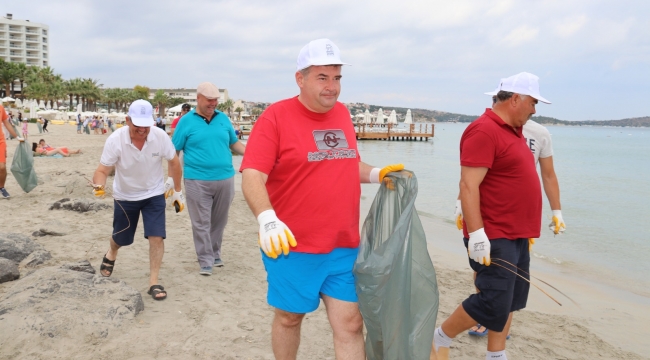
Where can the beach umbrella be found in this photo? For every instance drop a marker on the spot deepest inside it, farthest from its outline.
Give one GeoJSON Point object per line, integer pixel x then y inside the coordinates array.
{"type": "Point", "coordinates": [392, 118]}
{"type": "Point", "coordinates": [8, 99]}
{"type": "Point", "coordinates": [41, 105]}
{"type": "Point", "coordinates": [367, 118]}
{"type": "Point", "coordinates": [409, 118]}
{"type": "Point", "coordinates": [79, 108]}
{"type": "Point", "coordinates": [380, 116]}
{"type": "Point", "coordinates": [18, 103]}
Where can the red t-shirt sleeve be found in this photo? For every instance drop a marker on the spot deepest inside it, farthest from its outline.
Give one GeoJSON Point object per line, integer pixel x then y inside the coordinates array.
{"type": "Point", "coordinates": [477, 149]}
{"type": "Point", "coordinates": [262, 146]}
{"type": "Point", "coordinates": [175, 122]}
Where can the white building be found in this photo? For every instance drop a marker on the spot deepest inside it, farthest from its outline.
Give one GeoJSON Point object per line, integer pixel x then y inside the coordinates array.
{"type": "Point", "coordinates": [188, 94]}
{"type": "Point", "coordinates": [22, 41]}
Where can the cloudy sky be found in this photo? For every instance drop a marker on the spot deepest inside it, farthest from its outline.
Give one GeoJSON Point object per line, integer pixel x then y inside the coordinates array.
{"type": "Point", "coordinates": [593, 56]}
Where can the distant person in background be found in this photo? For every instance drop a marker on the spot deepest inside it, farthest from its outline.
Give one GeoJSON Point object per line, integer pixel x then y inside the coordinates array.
{"type": "Point", "coordinates": [79, 123]}
{"type": "Point", "coordinates": [207, 138]}
{"type": "Point", "coordinates": [19, 120]}
{"type": "Point", "coordinates": [86, 124]}
{"type": "Point", "coordinates": [4, 119]}
{"type": "Point", "coordinates": [44, 149]}
{"type": "Point", "coordinates": [45, 122]}
{"type": "Point", "coordinates": [39, 124]}
{"type": "Point", "coordinates": [184, 110]}
{"type": "Point", "coordinates": [499, 217]}
{"type": "Point", "coordinates": [25, 129]}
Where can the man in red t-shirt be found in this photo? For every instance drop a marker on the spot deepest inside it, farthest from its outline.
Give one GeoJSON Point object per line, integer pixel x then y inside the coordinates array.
{"type": "Point", "coordinates": [302, 166]}
{"type": "Point", "coordinates": [4, 119]}
{"type": "Point", "coordinates": [502, 207]}
{"type": "Point", "coordinates": [184, 110]}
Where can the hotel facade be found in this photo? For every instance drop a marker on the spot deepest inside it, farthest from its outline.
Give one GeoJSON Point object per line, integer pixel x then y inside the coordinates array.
{"type": "Point", "coordinates": [23, 41]}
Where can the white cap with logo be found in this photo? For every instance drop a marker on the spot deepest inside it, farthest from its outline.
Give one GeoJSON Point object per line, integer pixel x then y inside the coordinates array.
{"type": "Point", "coordinates": [208, 89]}
{"type": "Point", "coordinates": [319, 52]}
{"type": "Point", "coordinates": [141, 113]}
{"type": "Point", "coordinates": [523, 83]}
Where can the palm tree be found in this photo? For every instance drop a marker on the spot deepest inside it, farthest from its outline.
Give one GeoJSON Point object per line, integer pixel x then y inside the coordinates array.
{"type": "Point", "coordinates": [90, 92]}
{"type": "Point", "coordinates": [228, 106]}
{"type": "Point", "coordinates": [22, 71]}
{"type": "Point", "coordinates": [239, 111]}
{"type": "Point", "coordinates": [161, 99]}
{"type": "Point", "coordinates": [73, 88]}
{"type": "Point", "coordinates": [7, 75]}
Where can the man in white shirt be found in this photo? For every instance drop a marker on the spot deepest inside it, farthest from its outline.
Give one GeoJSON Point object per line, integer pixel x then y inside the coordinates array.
{"type": "Point", "coordinates": [136, 152]}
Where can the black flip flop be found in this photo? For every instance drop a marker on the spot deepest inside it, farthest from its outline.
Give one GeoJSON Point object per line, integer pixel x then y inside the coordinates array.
{"type": "Point", "coordinates": [155, 290]}
{"type": "Point", "coordinates": [109, 267]}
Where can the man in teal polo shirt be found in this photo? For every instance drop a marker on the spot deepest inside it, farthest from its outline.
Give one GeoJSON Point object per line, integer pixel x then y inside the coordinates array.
{"type": "Point", "coordinates": [206, 138]}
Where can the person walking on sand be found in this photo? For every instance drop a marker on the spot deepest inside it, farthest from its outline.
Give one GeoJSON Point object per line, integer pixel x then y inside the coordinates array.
{"type": "Point", "coordinates": [302, 157]}
{"type": "Point", "coordinates": [4, 119]}
{"type": "Point", "coordinates": [85, 125]}
{"type": "Point", "coordinates": [136, 152]}
{"type": "Point", "coordinates": [539, 142]}
{"type": "Point", "coordinates": [79, 123]}
{"type": "Point", "coordinates": [207, 138]}
{"type": "Point", "coordinates": [499, 218]}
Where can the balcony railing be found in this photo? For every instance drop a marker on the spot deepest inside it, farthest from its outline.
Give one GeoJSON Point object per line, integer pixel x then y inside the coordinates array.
{"type": "Point", "coordinates": [32, 55]}
{"type": "Point", "coordinates": [14, 29]}
{"type": "Point", "coordinates": [32, 47]}
{"type": "Point", "coordinates": [16, 46]}
{"type": "Point", "coordinates": [31, 39]}
{"type": "Point", "coordinates": [31, 31]}
{"type": "Point", "coordinates": [13, 37]}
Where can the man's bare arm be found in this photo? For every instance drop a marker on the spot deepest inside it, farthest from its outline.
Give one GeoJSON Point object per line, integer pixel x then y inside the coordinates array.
{"type": "Point", "coordinates": [175, 172]}
{"type": "Point", "coordinates": [254, 188]}
{"type": "Point", "coordinates": [238, 148]}
{"type": "Point", "coordinates": [101, 174]}
{"type": "Point", "coordinates": [549, 180]}
{"type": "Point", "coordinates": [470, 197]}
{"type": "Point", "coordinates": [364, 172]}
{"type": "Point", "coordinates": [10, 128]}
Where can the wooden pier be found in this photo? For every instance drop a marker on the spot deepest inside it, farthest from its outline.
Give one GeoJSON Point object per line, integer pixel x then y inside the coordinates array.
{"type": "Point", "coordinates": [421, 132]}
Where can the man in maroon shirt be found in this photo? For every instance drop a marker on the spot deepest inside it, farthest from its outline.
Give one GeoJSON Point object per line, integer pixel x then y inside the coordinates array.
{"type": "Point", "coordinates": [502, 206]}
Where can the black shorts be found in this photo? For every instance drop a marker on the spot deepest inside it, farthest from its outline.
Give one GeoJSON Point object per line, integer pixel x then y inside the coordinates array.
{"type": "Point", "coordinates": [501, 291]}
{"type": "Point", "coordinates": [153, 218]}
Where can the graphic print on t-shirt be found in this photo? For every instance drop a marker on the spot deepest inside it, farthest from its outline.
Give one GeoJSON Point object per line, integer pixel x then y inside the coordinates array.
{"type": "Point", "coordinates": [331, 144]}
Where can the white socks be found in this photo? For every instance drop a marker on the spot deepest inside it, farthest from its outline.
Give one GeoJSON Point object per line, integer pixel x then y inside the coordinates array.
{"type": "Point", "coordinates": [441, 339]}
{"type": "Point", "coordinates": [500, 355]}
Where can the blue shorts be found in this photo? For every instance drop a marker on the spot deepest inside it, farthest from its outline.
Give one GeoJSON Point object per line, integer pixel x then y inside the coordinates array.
{"type": "Point", "coordinates": [296, 281]}
{"type": "Point", "coordinates": [153, 218]}
{"type": "Point", "coordinates": [501, 291]}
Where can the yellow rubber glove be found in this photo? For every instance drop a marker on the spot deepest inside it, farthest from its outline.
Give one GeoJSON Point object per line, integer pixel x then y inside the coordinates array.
{"type": "Point", "coordinates": [178, 199]}
{"type": "Point", "coordinates": [531, 241]}
{"type": "Point", "coordinates": [389, 169]}
{"type": "Point", "coordinates": [458, 214]}
{"type": "Point", "coordinates": [274, 236]}
{"type": "Point", "coordinates": [169, 187]}
{"type": "Point", "coordinates": [557, 223]}
{"type": "Point", "coordinates": [98, 190]}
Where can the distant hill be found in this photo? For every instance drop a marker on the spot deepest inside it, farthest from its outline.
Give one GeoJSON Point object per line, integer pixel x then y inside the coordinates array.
{"type": "Point", "coordinates": [424, 115]}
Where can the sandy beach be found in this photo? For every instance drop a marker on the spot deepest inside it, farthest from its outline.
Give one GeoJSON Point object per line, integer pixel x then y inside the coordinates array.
{"type": "Point", "coordinates": [225, 316]}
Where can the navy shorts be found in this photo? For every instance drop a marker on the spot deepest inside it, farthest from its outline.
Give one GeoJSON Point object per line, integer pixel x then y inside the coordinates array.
{"type": "Point", "coordinates": [125, 221]}
{"type": "Point", "coordinates": [500, 291]}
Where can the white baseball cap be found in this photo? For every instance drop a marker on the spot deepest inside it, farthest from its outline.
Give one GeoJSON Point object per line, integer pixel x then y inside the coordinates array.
{"type": "Point", "coordinates": [208, 89]}
{"type": "Point", "coordinates": [141, 113]}
{"type": "Point", "coordinates": [523, 83]}
{"type": "Point", "coordinates": [319, 52]}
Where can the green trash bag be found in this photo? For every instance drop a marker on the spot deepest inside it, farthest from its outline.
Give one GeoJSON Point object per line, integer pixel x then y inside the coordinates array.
{"type": "Point", "coordinates": [23, 167]}
{"type": "Point", "coordinates": [395, 279]}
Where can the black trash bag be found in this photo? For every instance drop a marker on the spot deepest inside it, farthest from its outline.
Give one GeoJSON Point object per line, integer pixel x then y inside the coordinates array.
{"type": "Point", "coordinates": [23, 167]}
{"type": "Point", "coordinates": [395, 279]}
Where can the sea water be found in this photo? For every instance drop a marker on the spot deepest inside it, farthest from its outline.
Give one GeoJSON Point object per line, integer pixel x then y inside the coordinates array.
{"type": "Point", "coordinates": [604, 176]}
